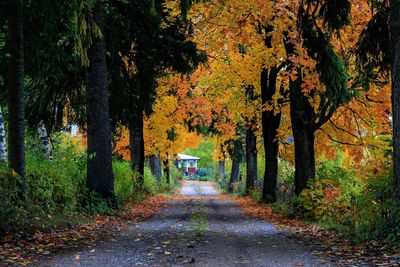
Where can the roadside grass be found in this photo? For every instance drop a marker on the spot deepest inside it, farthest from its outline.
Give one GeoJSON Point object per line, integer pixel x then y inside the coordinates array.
{"type": "Point", "coordinates": [199, 222]}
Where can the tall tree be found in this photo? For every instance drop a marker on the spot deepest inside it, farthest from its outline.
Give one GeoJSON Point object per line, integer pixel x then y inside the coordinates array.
{"type": "Point", "coordinates": [100, 176]}
{"type": "Point", "coordinates": [236, 152]}
{"type": "Point", "coordinates": [305, 118]}
{"type": "Point", "coordinates": [16, 117]}
{"type": "Point", "coordinates": [221, 168]}
{"type": "Point", "coordinates": [251, 143]}
{"type": "Point", "coordinates": [167, 173]}
{"type": "Point", "coordinates": [149, 49]}
{"type": "Point", "coordinates": [136, 143]}
{"type": "Point", "coordinates": [155, 166]}
{"type": "Point", "coordinates": [395, 49]}
{"type": "Point", "coordinates": [271, 119]}
{"type": "Point", "coordinates": [221, 161]}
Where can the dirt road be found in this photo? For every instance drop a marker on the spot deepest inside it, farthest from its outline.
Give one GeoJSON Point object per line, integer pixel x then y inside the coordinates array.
{"type": "Point", "coordinates": [195, 229]}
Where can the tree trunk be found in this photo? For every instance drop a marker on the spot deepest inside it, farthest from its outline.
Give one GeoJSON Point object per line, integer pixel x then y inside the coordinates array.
{"type": "Point", "coordinates": [100, 176]}
{"type": "Point", "coordinates": [45, 140]}
{"type": "Point", "coordinates": [234, 174]}
{"type": "Point", "coordinates": [301, 114]}
{"type": "Point", "coordinates": [166, 170]}
{"type": "Point", "coordinates": [251, 143]}
{"type": "Point", "coordinates": [136, 143]}
{"type": "Point", "coordinates": [221, 168]}
{"type": "Point", "coordinates": [3, 143]}
{"type": "Point", "coordinates": [270, 125]}
{"type": "Point", "coordinates": [16, 113]}
{"type": "Point", "coordinates": [251, 158]}
{"type": "Point", "coordinates": [395, 41]}
{"type": "Point", "coordinates": [155, 166]}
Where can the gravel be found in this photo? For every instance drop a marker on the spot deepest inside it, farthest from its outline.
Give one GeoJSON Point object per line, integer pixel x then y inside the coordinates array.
{"type": "Point", "coordinates": [195, 229]}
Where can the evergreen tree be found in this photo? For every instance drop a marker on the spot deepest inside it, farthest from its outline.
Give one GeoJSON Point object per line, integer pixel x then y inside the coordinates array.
{"type": "Point", "coordinates": [15, 80]}
{"type": "Point", "coordinates": [305, 120]}
{"type": "Point", "coordinates": [139, 60]}
{"type": "Point", "coordinates": [100, 176]}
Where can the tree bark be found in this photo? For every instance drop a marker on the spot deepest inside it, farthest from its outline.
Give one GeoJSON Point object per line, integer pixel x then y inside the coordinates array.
{"type": "Point", "coordinates": [136, 144]}
{"type": "Point", "coordinates": [271, 120]}
{"type": "Point", "coordinates": [234, 174]}
{"type": "Point", "coordinates": [16, 113]}
{"type": "Point", "coordinates": [395, 41]}
{"type": "Point", "coordinates": [221, 168]}
{"type": "Point", "coordinates": [3, 142]}
{"type": "Point", "coordinates": [236, 154]}
{"type": "Point", "coordinates": [100, 176]}
{"type": "Point", "coordinates": [251, 158]}
{"type": "Point", "coordinates": [44, 140]}
{"type": "Point", "coordinates": [251, 143]}
{"type": "Point", "coordinates": [166, 170]}
{"type": "Point", "coordinates": [155, 166]}
{"type": "Point", "coordinates": [301, 114]}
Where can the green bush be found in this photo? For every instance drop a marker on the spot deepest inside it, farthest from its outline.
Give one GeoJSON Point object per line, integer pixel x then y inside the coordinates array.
{"type": "Point", "coordinates": [93, 204]}
{"type": "Point", "coordinates": [322, 202]}
{"type": "Point", "coordinates": [151, 184]}
{"type": "Point", "coordinates": [256, 194]}
{"type": "Point", "coordinates": [285, 182]}
{"type": "Point", "coordinates": [372, 206]}
{"type": "Point", "coordinates": [56, 192]}
{"type": "Point", "coordinates": [125, 180]}
{"type": "Point", "coordinates": [53, 188]}
{"type": "Point", "coordinates": [239, 188]}
{"type": "Point", "coordinates": [9, 204]}
{"type": "Point", "coordinates": [176, 176]}
{"type": "Point", "coordinates": [340, 199]}
{"type": "Point", "coordinates": [223, 182]}
{"type": "Point", "coordinates": [55, 185]}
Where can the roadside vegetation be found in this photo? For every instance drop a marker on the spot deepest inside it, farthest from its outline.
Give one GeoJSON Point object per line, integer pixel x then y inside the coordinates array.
{"type": "Point", "coordinates": [57, 195]}
{"type": "Point", "coordinates": [341, 197]}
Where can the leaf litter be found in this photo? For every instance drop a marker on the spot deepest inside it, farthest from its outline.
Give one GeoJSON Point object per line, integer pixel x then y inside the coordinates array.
{"type": "Point", "coordinates": [334, 246]}
{"type": "Point", "coordinates": [23, 249]}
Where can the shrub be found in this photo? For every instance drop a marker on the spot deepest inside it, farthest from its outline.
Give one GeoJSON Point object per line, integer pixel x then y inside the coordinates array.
{"type": "Point", "coordinates": [202, 172]}
{"type": "Point", "coordinates": [176, 176]}
{"type": "Point", "coordinates": [53, 188]}
{"type": "Point", "coordinates": [322, 202]}
{"type": "Point", "coordinates": [239, 187]}
{"type": "Point", "coordinates": [256, 194]}
{"type": "Point", "coordinates": [341, 199]}
{"type": "Point", "coordinates": [223, 182]}
{"type": "Point", "coordinates": [8, 198]}
{"type": "Point", "coordinates": [56, 186]}
{"type": "Point", "coordinates": [151, 184]}
{"type": "Point", "coordinates": [371, 207]}
{"type": "Point", "coordinates": [124, 181]}
{"type": "Point", "coordinates": [93, 204]}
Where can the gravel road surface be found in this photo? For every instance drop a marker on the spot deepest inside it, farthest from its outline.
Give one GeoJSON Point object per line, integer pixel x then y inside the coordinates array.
{"type": "Point", "coordinates": [195, 229]}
